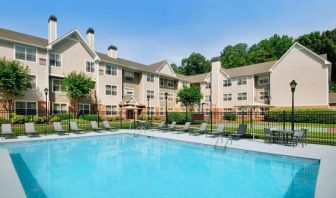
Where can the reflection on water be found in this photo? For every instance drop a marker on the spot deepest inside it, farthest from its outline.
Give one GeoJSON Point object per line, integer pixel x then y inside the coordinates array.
{"type": "Point", "coordinates": [108, 164]}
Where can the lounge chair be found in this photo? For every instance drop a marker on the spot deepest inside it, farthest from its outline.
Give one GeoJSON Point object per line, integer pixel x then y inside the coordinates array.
{"type": "Point", "coordinates": [171, 127]}
{"type": "Point", "coordinates": [298, 136]}
{"type": "Point", "coordinates": [219, 130]}
{"type": "Point", "coordinates": [240, 132]}
{"type": "Point", "coordinates": [6, 131]}
{"type": "Point", "coordinates": [30, 129]}
{"type": "Point", "coordinates": [185, 129]}
{"type": "Point", "coordinates": [74, 128]}
{"type": "Point", "coordinates": [95, 127]}
{"type": "Point", "coordinates": [107, 126]}
{"type": "Point", "coordinates": [199, 131]}
{"type": "Point", "coordinates": [58, 128]}
{"type": "Point", "coordinates": [160, 127]}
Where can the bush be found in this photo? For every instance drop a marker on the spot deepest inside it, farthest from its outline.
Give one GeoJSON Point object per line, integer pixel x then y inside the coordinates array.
{"type": "Point", "coordinates": [142, 117]}
{"type": "Point", "coordinates": [301, 114]}
{"type": "Point", "coordinates": [62, 116]}
{"type": "Point", "coordinates": [55, 119]}
{"type": "Point", "coordinates": [39, 120]}
{"type": "Point", "coordinates": [179, 117]}
{"type": "Point", "coordinates": [89, 117]}
{"type": "Point", "coordinates": [110, 118]}
{"type": "Point", "coordinates": [19, 119]}
{"type": "Point", "coordinates": [229, 116]}
{"type": "Point", "coordinates": [3, 120]}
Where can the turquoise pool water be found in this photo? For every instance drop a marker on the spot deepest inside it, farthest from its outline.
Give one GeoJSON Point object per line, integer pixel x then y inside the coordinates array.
{"type": "Point", "coordinates": [128, 166]}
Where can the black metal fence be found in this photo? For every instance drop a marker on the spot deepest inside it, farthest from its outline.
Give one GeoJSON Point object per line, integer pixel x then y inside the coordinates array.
{"type": "Point", "coordinates": [321, 125]}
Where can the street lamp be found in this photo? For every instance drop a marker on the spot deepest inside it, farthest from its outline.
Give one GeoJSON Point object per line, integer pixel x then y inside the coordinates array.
{"type": "Point", "coordinates": [166, 97]}
{"type": "Point", "coordinates": [202, 104]}
{"type": "Point", "coordinates": [46, 91]}
{"type": "Point", "coordinates": [293, 86]}
{"type": "Point", "coordinates": [148, 113]}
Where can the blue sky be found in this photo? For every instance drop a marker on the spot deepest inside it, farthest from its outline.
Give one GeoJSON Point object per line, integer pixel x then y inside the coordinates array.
{"type": "Point", "coordinates": [151, 30]}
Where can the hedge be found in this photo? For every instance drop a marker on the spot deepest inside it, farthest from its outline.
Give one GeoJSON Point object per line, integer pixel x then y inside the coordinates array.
{"type": "Point", "coordinates": [230, 116]}
{"type": "Point", "coordinates": [179, 117]}
{"type": "Point", "coordinates": [307, 115]}
{"type": "Point", "coordinates": [89, 117]}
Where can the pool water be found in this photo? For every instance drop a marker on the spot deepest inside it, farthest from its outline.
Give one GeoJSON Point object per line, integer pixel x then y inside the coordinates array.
{"type": "Point", "coordinates": [126, 166]}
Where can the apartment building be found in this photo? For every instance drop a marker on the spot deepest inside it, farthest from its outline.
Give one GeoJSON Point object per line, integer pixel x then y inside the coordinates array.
{"type": "Point", "coordinates": [126, 86]}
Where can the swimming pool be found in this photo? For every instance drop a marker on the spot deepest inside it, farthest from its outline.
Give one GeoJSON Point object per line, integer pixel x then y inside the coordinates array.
{"type": "Point", "coordinates": [126, 166]}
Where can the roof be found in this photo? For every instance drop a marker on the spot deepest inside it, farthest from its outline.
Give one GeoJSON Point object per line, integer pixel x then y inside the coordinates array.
{"type": "Point", "coordinates": [157, 65]}
{"type": "Point", "coordinates": [193, 78]}
{"type": "Point", "coordinates": [24, 38]}
{"type": "Point", "coordinates": [250, 69]}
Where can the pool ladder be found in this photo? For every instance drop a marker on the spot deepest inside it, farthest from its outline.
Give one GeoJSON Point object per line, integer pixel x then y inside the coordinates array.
{"type": "Point", "coordinates": [217, 141]}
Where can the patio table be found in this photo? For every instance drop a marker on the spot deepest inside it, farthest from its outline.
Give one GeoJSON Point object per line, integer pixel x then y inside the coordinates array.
{"type": "Point", "coordinates": [140, 124]}
{"type": "Point", "coordinates": [283, 133]}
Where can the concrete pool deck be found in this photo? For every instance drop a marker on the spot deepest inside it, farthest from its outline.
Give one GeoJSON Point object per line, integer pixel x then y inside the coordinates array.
{"type": "Point", "coordinates": [325, 185]}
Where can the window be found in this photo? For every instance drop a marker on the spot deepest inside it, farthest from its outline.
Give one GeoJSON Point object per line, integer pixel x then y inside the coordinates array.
{"type": "Point", "coordinates": [208, 98]}
{"type": "Point", "coordinates": [111, 70]}
{"type": "Point", "coordinates": [150, 93]}
{"type": "Point", "coordinates": [32, 83]}
{"type": "Point", "coordinates": [59, 108]}
{"type": "Point", "coordinates": [242, 81]}
{"type": "Point", "coordinates": [25, 53]}
{"type": "Point", "coordinates": [263, 111]}
{"type": "Point", "coordinates": [84, 108]}
{"type": "Point", "coordinates": [263, 95]}
{"type": "Point", "coordinates": [129, 75]}
{"type": "Point", "coordinates": [263, 80]}
{"type": "Point", "coordinates": [241, 111]}
{"type": "Point", "coordinates": [170, 97]}
{"type": "Point", "coordinates": [227, 83]}
{"type": "Point", "coordinates": [90, 66]}
{"type": "Point", "coordinates": [227, 97]}
{"type": "Point", "coordinates": [161, 96]}
{"type": "Point", "coordinates": [170, 109]}
{"type": "Point", "coordinates": [57, 85]}
{"type": "Point", "coordinates": [207, 85]}
{"type": "Point", "coordinates": [227, 110]}
{"type": "Point", "coordinates": [162, 111]}
{"type": "Point", "coordinates": [150, 111]}
{"type": "Point", "coordinates": [242, 96]}
{"type": "Point", "coordinates": [150, 77]}
{"type": "Point", "coordinates": [54, 60]}
{"type": "Point", "coordinates": [111, 90]}
{"type": "Point", "coordinates": [128, 91]}
{"type": "Point", "coordinates": [111, 110]}
{"type": "Point", "coordinates": [170, 84]}
{"type": "Point", "coordinates": [207, 112]}
{"type": "Point", "coordinates": [25, 108]}
{"type": "Point", "coordinates": [161, 82]}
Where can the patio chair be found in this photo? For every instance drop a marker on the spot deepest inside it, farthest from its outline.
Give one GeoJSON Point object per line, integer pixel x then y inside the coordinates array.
{"type": "Point", "coordinates": [160, 127]}
{"type": "Point", "coordinates": [185, 129]}
{"type": "Point", "coordinates": [269, 135]}
{"type": "Point", "coordinates": [305, 135]}
{"type": "Point", "coordinates": [298, 136]}
{"type": "Point", "coordinates": [200, 131]}
{"type": "Point", "coordinates": [219, 131]}
{"type": "Point", "coordinates": [107, 126]}
{"type": "Point", "coordinates": [58, 128]}
{"type": "Point", "coordinates": [74, 128]}
{"type": "Point", "coordinates": [6, 131]}
{"type": "Point", "coordinates": [95, 127]}
{"type": "Point", "coordinates": [240, 132]}
{"type": "Point", "coordinates": [171, 127]}
{"type": "Point", "coordinates": [30, 129]}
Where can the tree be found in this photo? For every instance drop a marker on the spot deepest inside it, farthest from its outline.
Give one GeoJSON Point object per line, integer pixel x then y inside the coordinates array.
{"type": "Point", "coordinates": [196, 63]}
{"type": "Point", "coordinates": [234, 56]}
{"type": "Point", "coordinates": [77, 86]}
{"type": "Point", "coordinates": [174, 67]}
{"type": "Point", "coordinates": [189, 96]}
{"type": "Point", "coordinates": [14, 80]}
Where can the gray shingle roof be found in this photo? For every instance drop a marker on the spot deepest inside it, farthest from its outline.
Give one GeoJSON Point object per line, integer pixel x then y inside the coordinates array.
{"type": "Point", "coordinates": [250, 69]}
{"type": "Point", "coordinates": [157, 65]}
{"type": "Point", "coordinates": [193, 78]}
{"type": "Point", "coordinates": [24, 38]}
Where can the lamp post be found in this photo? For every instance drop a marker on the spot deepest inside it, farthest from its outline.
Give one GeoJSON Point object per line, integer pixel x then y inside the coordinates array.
{"type": "Point", "coordinates": [202, 104]}
{"type": "Point", "coordinates": [293, 86]}
{"type": "Point", "coordinates": [46, 91]}
{"type": "Point", "coordinates": [166, 97]}
{"type": "Point", "coordinates": [148, 113]}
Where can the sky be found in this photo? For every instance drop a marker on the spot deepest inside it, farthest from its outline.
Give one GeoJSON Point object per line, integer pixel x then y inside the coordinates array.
{"type": "Point", "coordinates": [148, 31]}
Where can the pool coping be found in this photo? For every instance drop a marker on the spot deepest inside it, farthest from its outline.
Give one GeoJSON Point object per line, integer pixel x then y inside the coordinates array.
{"type": "Point", "coordinates": [324, 153]}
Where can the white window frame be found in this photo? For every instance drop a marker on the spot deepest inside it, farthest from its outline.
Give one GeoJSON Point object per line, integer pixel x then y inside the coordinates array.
{"type": "Point", "coordinates": [208, 98]}
{"type": "Point", "coordinates": [128, 77]}
{"type": "Point", "coordinates": [25, 53]}
{"type": "Point", "coordinates": [263, 97]}
{"type": "Point", "coordinates": [227, 97]}
{"type": "Point", "coordinates": [227, 110]}
{"type": "Point", "coordinates": [112, 66]}
{"type": "Point", "coordinates": [56, 54]}
{"type": "Point", "coordinates": [52, 86]}
{"type": "Point", "coordinates": [241, 98]}
{"type": "Point", "coordinates": [170, 81]}
{"type": "Point", "coordinates": [170, 109]}
{"type": "Point", "coordinates": [129, 89]}
{"type": "Point", "coordinates": [170, 97]}
{"type": "Point", "coordinates": [35, 82]}
{"type": "Point", "coordinates": [207, 85]}
{"type": "Point", "coordinates": [57, 103]}
{"type": "Point", "coordinates": [162, 82]}
{"type": "Point", "coordinates": [112, 112]}
{"type": "Point", "coordinates": [227, 83]}
{"type": "Point", "coordinates": [161, 96]}
{"type": "Point", "coordinates": [84, 104]}
{"type": "Point", "coordinates": [262, 79]}
{"type": "Point", "coordinates": [242, 81]}
{"type": "Point", "coordinates": [162, 111]}
{"type": "Point", "coordinates": [150, 111]}
{"type": "Point", "coordinates": [151, 93]}
{"type": "Point", "coordinates": [111, 90]}
{"type": "Point", "coordinates": [150, 77]}
{"type": "Point", "coordinates": [26, 101]}
{"type": "Point", "coordinates": [92, 66]}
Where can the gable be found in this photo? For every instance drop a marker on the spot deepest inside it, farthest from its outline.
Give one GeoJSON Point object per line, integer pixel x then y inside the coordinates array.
{"type": "Point", "coordinates": [166, 70]}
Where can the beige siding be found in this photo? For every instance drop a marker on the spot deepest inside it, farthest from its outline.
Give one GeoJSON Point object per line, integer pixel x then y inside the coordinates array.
{"type": "Point", "coordinates": [166, 70]}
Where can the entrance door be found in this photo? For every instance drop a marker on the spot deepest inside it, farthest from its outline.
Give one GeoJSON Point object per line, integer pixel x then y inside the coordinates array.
{"type": "Point", "coordinates": [129, 114]}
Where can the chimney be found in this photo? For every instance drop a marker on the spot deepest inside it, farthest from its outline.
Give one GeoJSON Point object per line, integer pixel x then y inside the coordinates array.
{"type": "Point", "coordinates": [52, 28]}
{"type": "Point", "coordinates": [215, 81]}
{"type": "Point", "coordinates": [112, 51]}
{"type": "Point", "coordinates": [90, 37]}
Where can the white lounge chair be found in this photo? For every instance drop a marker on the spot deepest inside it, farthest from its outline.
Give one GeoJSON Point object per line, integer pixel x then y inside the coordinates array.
{"type": "Point", "coordinates": [171, 127]}
{"type": "Point", "coordinates": [30, 129]}
{"type": "Point", "coordinates": [58, 128]}
{"type": "Point", "coordinates": [95, 127]}
{"type": "Point", "coordinates": [199, 131]}
{"type": "Point", "coordinates": [185, 128]}
{"type": "Point", "coordinates": [74, 128]}
{"type": "Point", "coordinates": [6, 131]}
{"type": "Point", "coordinates": [108, 127]}
{"type": "Point", "coordinates": [219, 130]}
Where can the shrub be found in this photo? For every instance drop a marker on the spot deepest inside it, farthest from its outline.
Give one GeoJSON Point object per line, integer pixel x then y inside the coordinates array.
{"type": "Point", "coordinates": [3, 120]}
{"type": "Point", "coordinates": [179, 117]}
{"type": "Point", "coordinates": [39, 120]}
{"type": "Point", "coordinates": [55, 119]}
{"type": "Point", "coordinates": [142, 117]}
{"type": "Point", "coordinates": [19, 119]}
{"type": "Point", "coordinates": [301, 114]}
{"type": "Point", "coordinates": [62, 116]}
{"type": "Point", "coordinates": [229, 116]}
{"type": "Point", "coordinates": [110, 118]}
{"type": "Point", "coordinates": [89, 117]}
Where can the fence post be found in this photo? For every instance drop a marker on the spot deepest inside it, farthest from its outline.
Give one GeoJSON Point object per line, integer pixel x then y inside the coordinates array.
{"type": "Point", "coordinates": [134, 118]}
{"type": "Point", "coordinates": [69, 121]}
{"type": "Point", "coordinates": [243, 113]}
{"type": "Point", "coordinates": [120, 118]}
{"type": "Point", "coordinates": [284, 120]}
